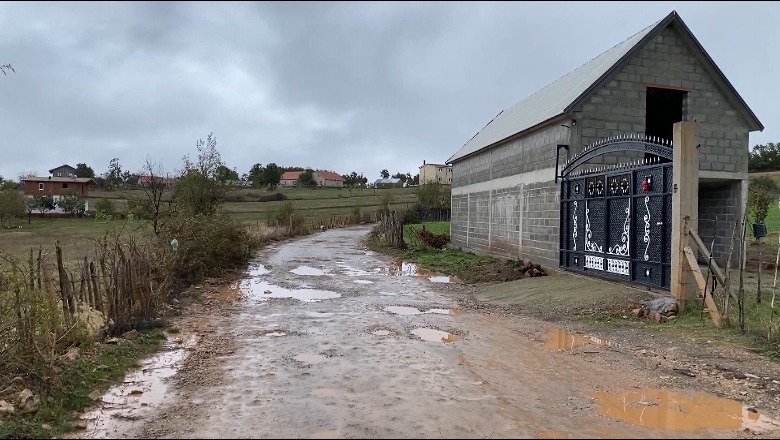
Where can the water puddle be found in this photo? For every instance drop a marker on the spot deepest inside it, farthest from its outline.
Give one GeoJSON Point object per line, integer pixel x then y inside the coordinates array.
{"type": "Point", "coordinates": [319, 314]}
{"type": "Point", "coordinates": [403, 268]}
{"type": "Point", "coordinates": [441, 279]}
{"type": "Point", "coordinates": [408, 311]}
{"type": "Point", "coordinates": [262, 290]}
{"type": "Point", "coordinates": [352, 271]}
{"type": "Point", "coordinates": [380, 332]}
{"type": "Point", "coordinates": [257, 270]}
{"type": "Point", "coordinates": [308, 270]}
{"type": "Point", "coordinates": [364, 282]}
{"type": "Point", "coordinates": [431, 335]}
{"type": "Point", "coordinates": [276, 334]}
{"type": "Point", "coordinates": [559, 339]}
{"type": "Point", "coordinates": [141, 392]}
{"type": "Point", "coordinates": [310, 358]}
{"type": "Point", "coordinates": [402, 310]}
{"type": "Point", "coordinates": [665, 409]}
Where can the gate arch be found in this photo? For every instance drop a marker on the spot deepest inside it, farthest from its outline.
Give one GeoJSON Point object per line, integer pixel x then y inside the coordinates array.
{"type": "Point", "coordinates": [616, 219]}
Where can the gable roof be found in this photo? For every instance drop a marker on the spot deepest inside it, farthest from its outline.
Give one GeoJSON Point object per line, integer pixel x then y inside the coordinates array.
{"type": "Point", "coordinates": [61, 166]}
{"type": "Point", "coordinates": [290, 175]}
{"type": "Point", "coordinates": [330, 175]}
{"type": "Point", "coordinates": [566, 93]}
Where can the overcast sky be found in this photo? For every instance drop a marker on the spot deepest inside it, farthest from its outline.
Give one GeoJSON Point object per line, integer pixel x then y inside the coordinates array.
{"type": "Point", "coordinates": [341, 86]}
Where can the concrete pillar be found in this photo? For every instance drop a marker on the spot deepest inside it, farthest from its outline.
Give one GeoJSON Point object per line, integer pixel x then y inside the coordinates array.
{"type": "Point", "coordinates": [685, 205]}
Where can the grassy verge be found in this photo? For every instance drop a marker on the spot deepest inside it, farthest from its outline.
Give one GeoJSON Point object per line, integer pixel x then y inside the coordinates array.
{"type": "Point", "coordinates": [98, 367]}
{"type": "Point", "coordinates": [468, 267]}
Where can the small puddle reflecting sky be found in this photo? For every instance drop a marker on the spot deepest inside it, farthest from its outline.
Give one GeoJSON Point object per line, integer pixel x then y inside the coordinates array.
{"type": "Point", "coordinates": [408, 311]}
{"type": "Point", "coordinates": [258, 269]}
{"type": "Point", "coordinates": [262, 290]}
{"type": "Point", "coordinates": [381, 332]}
{"type": "Point", "coordinates": [140, 391]}
{"type": "Point", "coordinates": [432, 335]}
{"type": "Point", "coordinates": [403, 268]}
{"type": "Point", "coordinates": [308, 270]}
{"type": "Point", "coordinates": [665, 409]}
{"type": "Point", "coordinates": [559, 339]}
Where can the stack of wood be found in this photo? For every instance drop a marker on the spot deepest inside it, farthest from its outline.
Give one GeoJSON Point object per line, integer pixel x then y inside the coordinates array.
{"type": "Point", "coordinates": [532, 270]}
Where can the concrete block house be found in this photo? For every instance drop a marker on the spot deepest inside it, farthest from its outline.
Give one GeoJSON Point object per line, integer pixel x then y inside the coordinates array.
{"type": "Point", "coordinates": [508, 199]}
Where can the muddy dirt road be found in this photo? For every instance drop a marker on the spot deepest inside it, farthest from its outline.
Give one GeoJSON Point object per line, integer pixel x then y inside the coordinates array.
{"type": "Point", "coordinates": [324, 339]}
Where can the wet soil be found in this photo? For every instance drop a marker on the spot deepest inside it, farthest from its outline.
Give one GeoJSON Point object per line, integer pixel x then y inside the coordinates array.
{"type": "Point", "coordinates": [322, 338]}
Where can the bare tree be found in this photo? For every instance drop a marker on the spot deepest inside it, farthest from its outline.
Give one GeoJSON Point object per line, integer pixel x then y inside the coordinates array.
{"type": "Point", "coordinates": [153, 183]}
{"type": "Point", "coordinates": [5, 68]}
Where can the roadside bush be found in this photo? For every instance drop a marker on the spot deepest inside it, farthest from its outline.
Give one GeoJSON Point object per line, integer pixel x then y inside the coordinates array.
{"type": "Point", "coordinates": [433, 240]}
{"type": "Point", "coordinates": [356, 216]}
{"type": "Point", "coordinates": [104, 207]}
{"type": "Point", "coordinates": [286, 217]}
{"type": "Point", "coordinates": [140, 209]}
{"type": "Point", "coordinates": [207, 246]}
{"type": "Point", "coordinates": [411, 216]}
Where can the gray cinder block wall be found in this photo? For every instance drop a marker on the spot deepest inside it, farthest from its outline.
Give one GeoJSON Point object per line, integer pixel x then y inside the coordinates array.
{"type": "Point", "coordinates": [505, 201]}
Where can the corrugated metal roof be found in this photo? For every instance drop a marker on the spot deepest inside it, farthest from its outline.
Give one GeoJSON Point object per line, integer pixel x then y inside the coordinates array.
{"type": "Point", "coordinates": [550, 101]}
{"type": "Point", "coordinates": [390, 181]}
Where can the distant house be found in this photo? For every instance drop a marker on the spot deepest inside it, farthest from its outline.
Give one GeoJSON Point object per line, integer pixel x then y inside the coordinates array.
{"type": "Point", "coordinates": [56, 187]}
{"type": "Point", "coordinates": [328, 179]}
{"type": "Point", "coordinates": [63, 171]}
{"type": "Point", "coordinates": [392, 182]}
{"type": "Point", "coordinates": [289, 178]}
{"type": "Point", "coordinates": [433, 172]}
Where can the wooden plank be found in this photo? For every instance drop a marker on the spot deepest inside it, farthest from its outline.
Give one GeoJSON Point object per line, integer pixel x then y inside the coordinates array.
{"type": "Point", "coordinates": [714, 268]}
{"type": "Point", "coordinates": [711, 306]}
{"type": "Point", "coordinates": [685, 203]}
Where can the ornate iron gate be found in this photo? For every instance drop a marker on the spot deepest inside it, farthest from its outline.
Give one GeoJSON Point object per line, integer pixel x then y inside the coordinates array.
{"type": "Point", "coordinates": [616, 220]}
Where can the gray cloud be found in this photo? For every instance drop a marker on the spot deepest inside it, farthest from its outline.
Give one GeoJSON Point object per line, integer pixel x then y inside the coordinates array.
{"type": "Point", "coordinates": [344, 86]}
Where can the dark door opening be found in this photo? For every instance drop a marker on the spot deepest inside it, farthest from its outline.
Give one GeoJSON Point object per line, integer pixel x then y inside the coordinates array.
{"type": "Point", "coordinates": [663, 108]}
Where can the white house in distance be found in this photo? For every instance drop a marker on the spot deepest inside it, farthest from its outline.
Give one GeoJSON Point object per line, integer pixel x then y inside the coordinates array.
{"type": "Point", "coordinates": [434, 172]}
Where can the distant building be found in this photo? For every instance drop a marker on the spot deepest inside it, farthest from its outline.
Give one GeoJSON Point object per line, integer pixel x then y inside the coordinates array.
{"type": "Point", "coordinates": [328, 179]}
{"type": "Point", "coordinates": [147, 179]}
{"type": "Point", "coordinates": [289, 178]}
{"type": "Point", "coordinates": [63, 171]}
{"type": "Point", "coordinates": [434, 172]}
{"type": "Point", "coordinates": [392, 182]}
{"type": "Point", "coordinates": [57, 186]}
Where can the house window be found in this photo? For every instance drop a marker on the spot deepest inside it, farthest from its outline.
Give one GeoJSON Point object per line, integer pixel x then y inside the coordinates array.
{"type": "Point", "coordinates": [64, 186]}
{"type": "Point", "coordinates": [70, 174]}
{"type": "Point", "coordinates": [40, 187]}
{"type": "Point", "coordinates": [59, 173]}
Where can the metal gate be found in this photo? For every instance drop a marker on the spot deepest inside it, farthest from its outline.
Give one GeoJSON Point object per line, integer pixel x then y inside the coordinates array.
{"type": "Point", "coordinates": [616, 219]}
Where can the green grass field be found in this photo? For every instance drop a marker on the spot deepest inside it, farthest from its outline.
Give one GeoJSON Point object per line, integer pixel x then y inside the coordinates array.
{"type": "Point", "coordinates": [315, 205]}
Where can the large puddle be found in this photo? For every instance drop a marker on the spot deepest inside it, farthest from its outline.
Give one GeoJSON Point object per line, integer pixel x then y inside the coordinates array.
{"type": "Point", "coordinates": [665, 409]}
{"type": "Point", "coordinates": [559, 339]}
{"type": "Point", "coordinates": [408, 311]}
{"type": "Point", "coordinates": [262, 290]}
{"type": "Point", "coordinates": [432, 335]}
{"type": "Point", "coordinates": [141, 392]}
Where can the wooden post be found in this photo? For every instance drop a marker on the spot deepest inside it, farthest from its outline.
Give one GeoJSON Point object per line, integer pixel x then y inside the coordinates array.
{"type": "Point", "coordinates": [685, 205]}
